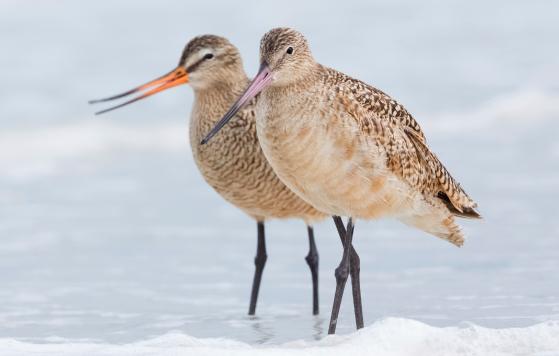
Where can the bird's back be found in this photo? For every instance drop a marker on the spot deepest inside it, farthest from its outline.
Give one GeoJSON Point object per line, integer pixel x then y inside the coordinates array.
{"type": "Point", "coordinates": [401, 137]}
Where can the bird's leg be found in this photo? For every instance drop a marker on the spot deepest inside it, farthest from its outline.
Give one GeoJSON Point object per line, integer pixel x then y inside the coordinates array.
{"type": "Point", "coordinates": [259, 263]}
{"type": "Point", "coordinates": [312, 261]}
{"type": "Point", "coordinates": [354, 269]}
{"type": "Point", "coordinates": [342, 272]}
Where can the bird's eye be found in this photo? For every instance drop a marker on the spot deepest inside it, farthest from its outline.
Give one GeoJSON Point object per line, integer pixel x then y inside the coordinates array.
{"type": "Point", "coordinates": [289, 50]}
{"type": "Point", "coordinates": [208, 56]}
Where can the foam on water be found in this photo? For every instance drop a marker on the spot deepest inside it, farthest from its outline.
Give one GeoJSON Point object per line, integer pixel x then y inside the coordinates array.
{"type": "Point", "coordinates": [388, 337]}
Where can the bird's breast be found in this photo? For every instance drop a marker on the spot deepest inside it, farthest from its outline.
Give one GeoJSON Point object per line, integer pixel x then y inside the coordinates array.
{"type": "Point", "coordinates": [328, 162]}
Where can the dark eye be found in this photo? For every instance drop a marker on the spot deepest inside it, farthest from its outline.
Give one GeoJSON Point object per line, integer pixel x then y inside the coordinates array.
{"type": "Point", "coordinates": [289, 50]}
{"type": "Point", "coordinates": [208, 56]}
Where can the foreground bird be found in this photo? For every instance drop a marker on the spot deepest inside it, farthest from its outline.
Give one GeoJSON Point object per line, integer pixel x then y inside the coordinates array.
{"type": "Point", "coordinates": [348, 149]}
{"type": "Point", "coordinates": [234, 165]}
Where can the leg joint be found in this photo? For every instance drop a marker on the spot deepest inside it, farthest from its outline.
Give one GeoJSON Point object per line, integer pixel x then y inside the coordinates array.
{"type": "Point", "coordinates": [260, 259]}
{"type": "Point", "coordinates": [342, 272]}
{"type": "Point", "coordinates": [312, 259]}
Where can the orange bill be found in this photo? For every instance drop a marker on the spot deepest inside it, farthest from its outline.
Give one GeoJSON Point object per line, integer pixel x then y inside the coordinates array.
{"type": "Point", "coordinates": [172, 79]}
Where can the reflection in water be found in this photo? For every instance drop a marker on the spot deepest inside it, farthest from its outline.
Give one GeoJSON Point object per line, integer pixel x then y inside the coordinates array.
{"type": "Point", "coordinates": [263, 334]}
{"type": "Point", "coordinates": [318, 328]}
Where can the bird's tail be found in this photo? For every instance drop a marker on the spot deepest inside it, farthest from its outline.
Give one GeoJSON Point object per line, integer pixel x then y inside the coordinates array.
{"type": "Point", "coordinates": [437, 224]}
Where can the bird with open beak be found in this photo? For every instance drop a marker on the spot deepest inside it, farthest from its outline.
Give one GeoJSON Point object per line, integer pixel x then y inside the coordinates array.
{"type": "Point", "coordinates": [234, 164]}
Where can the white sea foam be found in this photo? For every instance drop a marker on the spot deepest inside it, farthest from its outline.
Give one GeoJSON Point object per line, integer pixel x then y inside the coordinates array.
{"type": "Point", "coordinates": [390, 337]}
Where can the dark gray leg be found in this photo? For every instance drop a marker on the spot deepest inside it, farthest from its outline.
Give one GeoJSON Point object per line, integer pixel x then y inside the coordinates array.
{"type": "Point", "coordinates": [312, 261]}
{"type": "Point", "coordinates": [354, 271]}
{"type": "Point", "coordinates": [342, 272]}
{"type": "Point", "coordinates": [259, 262]}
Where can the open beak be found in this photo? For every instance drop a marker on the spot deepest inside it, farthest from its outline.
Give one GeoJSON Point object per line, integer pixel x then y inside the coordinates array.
{"type": "Point", "coordinates": [174, 78]}
{"type": "Point", "coordinates": [261, 81]}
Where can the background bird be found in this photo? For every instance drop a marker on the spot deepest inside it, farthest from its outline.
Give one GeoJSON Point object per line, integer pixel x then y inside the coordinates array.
{"type": "Point", "coordinates": [234, 165]}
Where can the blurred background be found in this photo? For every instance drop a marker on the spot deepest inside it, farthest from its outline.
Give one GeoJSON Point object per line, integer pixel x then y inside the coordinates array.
{"type": "Point", "coordinates": [108, 232]}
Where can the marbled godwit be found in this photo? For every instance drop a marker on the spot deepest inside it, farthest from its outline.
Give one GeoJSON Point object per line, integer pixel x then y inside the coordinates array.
{"type": "Point", "coordinates": [234, 165]}
{"type": "Point", "coordinates": [347, 148]}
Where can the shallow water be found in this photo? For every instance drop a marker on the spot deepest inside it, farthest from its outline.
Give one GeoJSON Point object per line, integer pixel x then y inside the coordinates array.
{"type": "Point", "coordinates": [108, 233]}
{"type": "Point", "coordinates": [128, 250]}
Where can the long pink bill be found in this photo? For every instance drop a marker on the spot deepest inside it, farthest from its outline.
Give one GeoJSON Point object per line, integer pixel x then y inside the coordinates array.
{"type": "Point", "coordinates": [261, 81]}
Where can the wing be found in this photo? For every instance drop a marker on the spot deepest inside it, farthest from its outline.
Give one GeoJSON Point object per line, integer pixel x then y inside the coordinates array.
{"type": "Point", "coordinates": [405, 145]}
{"type": "Point", "coordinates": [376, 101]}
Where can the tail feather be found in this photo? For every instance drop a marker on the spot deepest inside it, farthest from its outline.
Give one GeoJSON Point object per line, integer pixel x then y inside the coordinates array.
{"type": "Point", "coordinates": [453, 233]}
{"type": "Point", "coordinates": [435, 224]}
{"type": "Point", "coordinates": [455, 195]}
{"type": "Point", "coordinates": [467, 212]}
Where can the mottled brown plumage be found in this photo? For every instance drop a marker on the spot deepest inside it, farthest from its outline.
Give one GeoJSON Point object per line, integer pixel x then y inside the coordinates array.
{"type": "Point", "coordinates": [348, 148]}
{"type": "Point", "coordinates": [234, 164]}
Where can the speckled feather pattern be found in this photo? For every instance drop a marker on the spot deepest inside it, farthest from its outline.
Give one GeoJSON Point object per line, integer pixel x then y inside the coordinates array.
{"type": "Point", "coordinates": [408, 155]}
{"type": "Point", "coordinates": [349, 149]}
{"type": "Point", "coordinates": [233, 163]}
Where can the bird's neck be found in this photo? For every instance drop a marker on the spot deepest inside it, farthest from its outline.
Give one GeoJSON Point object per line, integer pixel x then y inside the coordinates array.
{"type": "Point", "coordinates": [221, 92]}
{"type": "Point", "coordinates": [212, 102]}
